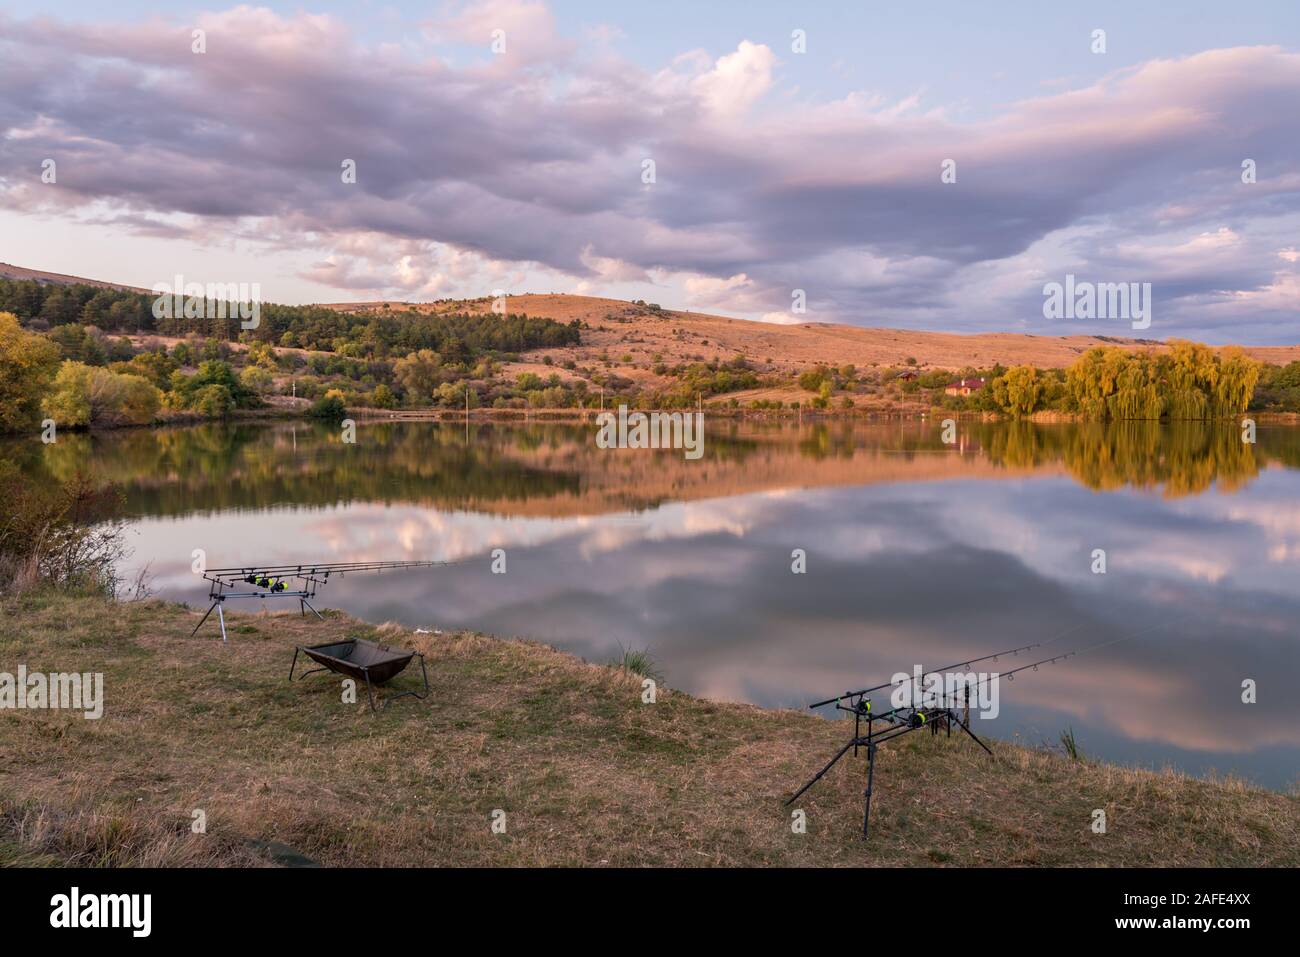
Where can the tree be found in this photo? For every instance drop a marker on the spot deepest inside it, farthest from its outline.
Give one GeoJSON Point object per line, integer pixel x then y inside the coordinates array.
{"type": "Point", "coordinates": [68, 404]}
{"type": "Point", "coordinates": [157, 367]}
{"type": "Point", "coordinates": [1238, 375]}
{"type": "Point", "coordinates": [257, 379]}
{"type": "Point", "coordinates": [1190, 381]}
{"type": "Point", "coordinates": [28, 364]}
{"type": "Point", "coordinates": [1018, 391]}
{"type": "Point", "coordinates": [213, 401]}
{"type": "Point", "coordinates": [213, 372]}
{"type": "Point", "coordinates": [419, 373]}
{"type": "Point", "coordinates": [91, 396]}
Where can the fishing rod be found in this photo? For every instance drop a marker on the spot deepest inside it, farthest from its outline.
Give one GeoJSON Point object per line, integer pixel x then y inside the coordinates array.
{"type": "Point", "coordinates": [913, 717]}
{"type": "Point", "coordinates": [286, 581]}
{"type": "Point", "coordinates": [960, 664]}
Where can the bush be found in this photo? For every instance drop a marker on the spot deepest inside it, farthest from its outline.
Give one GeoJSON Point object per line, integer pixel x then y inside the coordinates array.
{"type": "Point", "coordinates": [812, 379]}
{"type": "Point", "coordinates": [329, 406]}
{"type": "Point", "coordinates": [66, 536]}
{"type": "Point", "coordinates": [190, 391]}
{"type": "Point", "coordinates": [91, 396]}
{"type": "Point", "coordinates": [154, 365]}
{"type": "Point", "coordinates": [256, 379]}
{"type": "Point", "coordinates": [213, 401]}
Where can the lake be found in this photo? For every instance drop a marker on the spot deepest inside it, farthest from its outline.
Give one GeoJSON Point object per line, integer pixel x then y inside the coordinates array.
{"type": "Point", "coordinates": [917, 552]}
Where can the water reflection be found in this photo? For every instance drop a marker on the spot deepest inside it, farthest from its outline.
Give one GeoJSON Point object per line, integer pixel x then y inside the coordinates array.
{"type": "Point", "coordinates": [919, 552]}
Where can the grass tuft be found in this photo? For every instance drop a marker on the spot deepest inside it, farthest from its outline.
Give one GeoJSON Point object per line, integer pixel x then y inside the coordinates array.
{"type": "Point", "coordinates": [1070, 745]}
{"type": "Point", "coordinates": [638, 662]}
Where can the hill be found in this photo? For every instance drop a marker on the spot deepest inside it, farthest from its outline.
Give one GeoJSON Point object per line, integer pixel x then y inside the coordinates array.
{"type": "Point", "coordinates": [634, 338]}
{"type": "Point", "coordinates": [650, 334]}
{"type": "Point", "coordinates": [624, 328]}
{"type": "Point", "coordinates": [9, 271]}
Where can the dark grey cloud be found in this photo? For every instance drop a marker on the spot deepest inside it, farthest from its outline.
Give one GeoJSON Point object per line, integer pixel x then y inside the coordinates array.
{"type": "Point", "coordinates": [537, 159]}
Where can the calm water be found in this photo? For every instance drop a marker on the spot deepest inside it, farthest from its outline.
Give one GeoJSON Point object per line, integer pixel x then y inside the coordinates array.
{"type": "Point", "coordinates": [918, 553]}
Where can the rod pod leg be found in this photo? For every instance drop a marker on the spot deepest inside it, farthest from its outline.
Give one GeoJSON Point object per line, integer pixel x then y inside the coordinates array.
{"type": "Point", "coordinates": [871, 773]}
{"type": "Point", "coordinates": [966, 728]}
{"type": "Point", "coordinates": [204, 618]}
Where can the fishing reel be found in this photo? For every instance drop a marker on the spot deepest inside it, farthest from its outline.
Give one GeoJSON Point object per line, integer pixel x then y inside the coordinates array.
{"type": "Point", "coordinates": [262, 581]}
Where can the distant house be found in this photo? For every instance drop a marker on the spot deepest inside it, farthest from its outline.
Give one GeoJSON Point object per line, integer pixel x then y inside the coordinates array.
{"type": "Point", "coordinates": [907, 375]}
{"type": "Point", "coordinates": [963, 387]}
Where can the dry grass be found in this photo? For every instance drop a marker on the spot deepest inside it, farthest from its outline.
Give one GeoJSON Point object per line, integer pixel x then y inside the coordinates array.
{"type": "Point", "coordinates": [586, 773]}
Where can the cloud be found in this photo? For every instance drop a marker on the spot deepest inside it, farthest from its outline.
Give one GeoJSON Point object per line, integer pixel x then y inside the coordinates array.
{"type": "Point", "coordinates": [534, 159]}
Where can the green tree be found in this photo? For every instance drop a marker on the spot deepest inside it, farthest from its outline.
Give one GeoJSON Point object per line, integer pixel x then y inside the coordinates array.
{"type": "Point", "coordinates": [419, 373]}
{"type": "Point", "coordinates": [213, 401]}
{"type": "Point", "coordinates": [257, 379]}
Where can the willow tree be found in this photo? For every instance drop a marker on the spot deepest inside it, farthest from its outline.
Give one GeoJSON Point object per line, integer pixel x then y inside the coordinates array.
{"type": "Point", "coordinates": [1093, 379]}
{"type": "Point", "coordinates": [1190, 372]}
{"type": "Point", "coordinates": [1137, 392]}
{"type": "Point", "coordinates": [1238, 375]}
{"type": "Point", "coordinates": [1019, 390]}
{"type": "Point", "coordinates": [1190, 381]}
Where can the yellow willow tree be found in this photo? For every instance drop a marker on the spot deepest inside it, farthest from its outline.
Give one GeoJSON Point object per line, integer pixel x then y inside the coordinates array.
{"type": "Point", "coordinates": [1094, 378]}
{"type": "Point", "coordinates": [1019, 390]}
{"type": "Point", "coordinates": [1190, 381]}
{"type": "Point", "coordinates": [1238, 375]}
{"type": "Point", "coordinates": [1137, 390]}
{"type": "Point", "coordinates": [1190, 371]}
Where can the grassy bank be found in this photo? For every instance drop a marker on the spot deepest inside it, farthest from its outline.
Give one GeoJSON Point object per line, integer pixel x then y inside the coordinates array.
{"type": "Point", "coordinates": [586, 773]}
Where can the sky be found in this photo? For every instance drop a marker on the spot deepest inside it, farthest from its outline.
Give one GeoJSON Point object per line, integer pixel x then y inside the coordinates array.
{"type": "Point", "coordinates": [788, 167]}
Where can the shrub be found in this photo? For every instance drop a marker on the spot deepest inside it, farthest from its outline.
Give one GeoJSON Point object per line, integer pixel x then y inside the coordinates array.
{"type": "Point", "coordinates": [91, 396]}
{"type": "Point", "coordinates": [256, 379]}
{"type": "Point", "coordinates": [329, 406]}
{"type": "Point", "coordinates": [188, 390]}
{"type": "Point", "coordinates": [65, 536]}
{"type": "Point", "coordinates": [213, 401]}
{"type": "Point", "coordinates": [813, 379]}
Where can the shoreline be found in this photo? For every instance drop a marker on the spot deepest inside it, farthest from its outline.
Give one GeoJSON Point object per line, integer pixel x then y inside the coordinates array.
{"type": "Point", "coordinates": [578, 416]}
{"type": "Point", "coordinates": [586, 773]}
